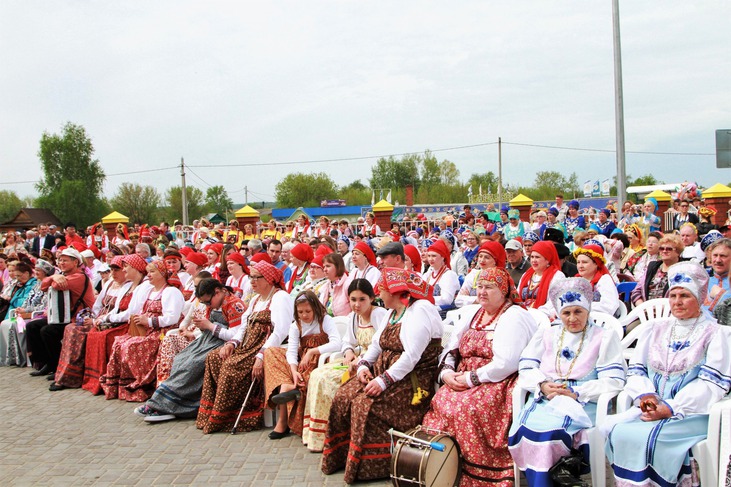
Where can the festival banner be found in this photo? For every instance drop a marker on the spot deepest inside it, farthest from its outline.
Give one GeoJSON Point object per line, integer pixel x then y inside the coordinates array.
{"type": "Point", "coordinates": [587, 189]}
{"type": "Point", "coordinates": [595, 191]}
{"type": "Point", "coordinates": [605, 187]}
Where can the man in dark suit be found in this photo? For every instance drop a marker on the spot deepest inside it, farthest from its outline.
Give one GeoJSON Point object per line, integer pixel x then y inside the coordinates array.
{"type": "Point", "coordinates": [42, 241]}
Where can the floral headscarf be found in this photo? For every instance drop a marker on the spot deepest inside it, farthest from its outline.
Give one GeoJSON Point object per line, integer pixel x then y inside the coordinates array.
{"type": "Point", "coordinates": [395, 281]}
{"type": "Point", "coordinates": [501, 277]}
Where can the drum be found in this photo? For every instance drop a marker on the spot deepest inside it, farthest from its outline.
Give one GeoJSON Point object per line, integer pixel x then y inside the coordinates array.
{"type": "Point", "coordinates": [414, 463]}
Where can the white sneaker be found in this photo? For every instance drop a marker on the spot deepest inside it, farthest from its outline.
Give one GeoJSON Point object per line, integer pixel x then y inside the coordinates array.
{"type": "Point", "coordinates": [157, 417]}
{"type": "Point", "coordinates": [143, 411]}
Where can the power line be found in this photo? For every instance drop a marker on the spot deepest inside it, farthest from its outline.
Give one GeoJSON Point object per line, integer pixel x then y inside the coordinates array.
{"type": "Point", "coordinates": [196, 175]}
{"type": "Point", "coordinates": [343, 159]}
{"type": "Point", "coordinates": [106, 175]}
{"type": "Point", "coordinates": [611, 150]}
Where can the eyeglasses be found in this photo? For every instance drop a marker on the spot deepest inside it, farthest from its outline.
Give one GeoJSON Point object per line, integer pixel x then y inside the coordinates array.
{"type": "Point", "coordinates": [255, 278]}
{"type": "Point", "coordinates": [666, 249]}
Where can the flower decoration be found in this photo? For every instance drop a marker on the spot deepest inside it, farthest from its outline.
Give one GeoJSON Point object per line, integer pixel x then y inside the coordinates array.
{"type": "Point", "coordinates": [567, 353]}
{"type": "Point", "coordinates": [570, 297]}
{"type": "Point", "coordinates": [677, 345]}
{"type": "Point", "coordinates": [680, 278]}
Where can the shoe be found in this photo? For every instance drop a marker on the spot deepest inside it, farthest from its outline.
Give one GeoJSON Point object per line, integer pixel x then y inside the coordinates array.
{"type": "Point", "coordinates": [286, 397]}
{"type": "Point", "coordinates": [276, 435]}
{"type": "Point", "coordinates": [51, 376]}
{"type": "Point", "coordinates": [56, 387]}
{"type": "Point", "coordinates": [158, 417]}
{"type": "Point", "coordinates": [42, 371]}
{"type": "Point", "coordinates": [144, 411]}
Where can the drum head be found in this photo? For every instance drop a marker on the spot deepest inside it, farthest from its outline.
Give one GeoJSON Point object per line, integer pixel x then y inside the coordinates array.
{"type": "Point", "coordinates": [443, 468]}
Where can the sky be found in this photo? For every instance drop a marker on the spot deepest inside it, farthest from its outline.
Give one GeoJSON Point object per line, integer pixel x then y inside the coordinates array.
{"type": "Point", "coordinates": [239, 88]}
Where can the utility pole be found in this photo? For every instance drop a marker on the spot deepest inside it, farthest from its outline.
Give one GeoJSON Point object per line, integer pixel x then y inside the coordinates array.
{"type": "Point", "coordinates": [184, 193]}
{"type": "Point", "coordinates": [618, 108]}
{"type": "Point", "coordinates": [499, 172]}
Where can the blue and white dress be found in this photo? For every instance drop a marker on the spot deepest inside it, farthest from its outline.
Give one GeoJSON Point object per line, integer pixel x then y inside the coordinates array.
{"type": "Point", "coordinates": [540, 438]}
{"type": "Point", "coordinates": [690, 371]}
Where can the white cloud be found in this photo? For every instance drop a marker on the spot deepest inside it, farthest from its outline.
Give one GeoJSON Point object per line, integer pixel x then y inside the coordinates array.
{"type": "Point", "coordinates": [231, 82]}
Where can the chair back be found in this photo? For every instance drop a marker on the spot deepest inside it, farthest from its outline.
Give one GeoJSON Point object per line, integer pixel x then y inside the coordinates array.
{"type": "Point", "coordinates": [624, 289]}
{"type": "Point", "coordinates": [646, 312]}
{"type": "Point", "coordinates": [609, 322]}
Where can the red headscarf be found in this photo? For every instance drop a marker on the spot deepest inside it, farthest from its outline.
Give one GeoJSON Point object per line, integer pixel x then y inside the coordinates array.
{"type": "Point", "coordinates": [303, 252]}
{"type": "Point", "coordinates": [261, 257]}
{"type": "Point", "coordinates": [496, 251]}
{"type": "Point", "coordinates": [414, 255]}
{"type": "Point", "coordinates": [239, 259]}
{"type": "Point", "coordinates": [397, 281]}
{"type": "Point", "coordinates": [365, 249]}
{"type": "Point", "coordinates": [197, 258]}
{"type": "Point", "coordinates": [440, 248]}
{"type": "Point", "coordinates": [136, 262]}
{"type": "Point", "coordinates": [272, 275]}
{"type": "Point", "coordinates": [548, 251]}
{"type": "Point", "coordinates": [501, 277]}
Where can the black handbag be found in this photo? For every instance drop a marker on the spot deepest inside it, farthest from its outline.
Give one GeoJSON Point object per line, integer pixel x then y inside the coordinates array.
{"type": "Point", "coordinates": [567, 470]}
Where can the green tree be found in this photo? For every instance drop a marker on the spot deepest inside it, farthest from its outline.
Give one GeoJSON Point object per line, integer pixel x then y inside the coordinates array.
{"type": "Point", "coordinates": [72, 180]}
{"type": "Point", "coordinates": [356, 193]}
{"type": "Point", "coordinates": [430, 171]}
{"type": "Point", "coordinates": [389, 173]}
{"type": "Point", "coordinates": [218, 201]}
{"type": "Point", "coordinates": [10, 204]}
{"type": "Point", "coordinates": [174, 198]}
{"type": "Point", "coordinates": [139, 203]}
{"type": "Point", "coordinates": [550, 183]}
{"type": "Point", "coordinates": [448, 173]}
{"type": "Point", "coordinates": [488, 182]}
{"type": "Point", "coordinates": [298, 189]}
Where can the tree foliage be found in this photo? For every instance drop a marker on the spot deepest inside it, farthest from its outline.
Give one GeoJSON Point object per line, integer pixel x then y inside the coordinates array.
{"type": "Point", "coordinates": [218, 201]}
{"type": "Point", "coordinates": [10, 205]}
{"type": "Point", "coordinates": [139, 203]}
{"type": "Point", "coordinates": [488, 181]}
{"type": "Point", "coordinates": [550, 183]}
{"type": "Point", "coordinates": [299, 189]}
{"type": "Point", "coordinates": [72, 180]}
{"type": "Point", "coordinates": [174, 198]}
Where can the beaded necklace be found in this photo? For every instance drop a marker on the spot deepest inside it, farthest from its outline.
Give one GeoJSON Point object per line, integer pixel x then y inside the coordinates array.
{"type": "Point", "coordinates": [557, 364]}
{"type": "Point", "coordinates": [476, 321]}
{"type": "Point", "coordinates": [392, 321]}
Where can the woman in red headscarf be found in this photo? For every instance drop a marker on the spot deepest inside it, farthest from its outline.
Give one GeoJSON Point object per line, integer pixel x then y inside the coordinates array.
{"type": "Point", "coordinates": [71, 364]}
{"type": "Point", "coordinates": [490, 254]}
{"type": "Point", "coordinates": [590, 263]}
{"type": "Point", "coordinates": [441, 277]}
{"type": "Point", "coordinates": [107, 328]}
{"type": "Point", "coordinates": [301, 256]}
{"type": "Point", "coordinates": [544, 266]}
{"type": "Point", "coordinates": [238, 278]}
{"type": "Point", "coordinates": [364, 264]}
{"type": "Point", "coordinates": [131, 371]}
{"type": "Point", "coordinates": [394, 383]}
{"type": "Point", "coordinates": [479, 371]}
{"type": "Point", "coordinates": [231, 369]}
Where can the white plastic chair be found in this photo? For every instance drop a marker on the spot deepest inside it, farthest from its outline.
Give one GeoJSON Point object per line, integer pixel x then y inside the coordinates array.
{"type": "Point", "coordinates": [705, 452]}
{"type": "Point", "coordinates": [645, 313]}
{"type": "Point", "coordinates": [341, 322]}
{"type": "Point", "coordinates": [597, 461]}
{"type": "Point", "coordinates": [608, 321]}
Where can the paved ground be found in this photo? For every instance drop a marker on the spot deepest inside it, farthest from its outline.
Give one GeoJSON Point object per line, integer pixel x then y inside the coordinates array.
{"type": "Point", "coordinates": [72, 438]}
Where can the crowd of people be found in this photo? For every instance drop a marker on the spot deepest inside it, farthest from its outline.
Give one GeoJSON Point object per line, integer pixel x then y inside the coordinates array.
{"type": "Point", "coordinates": [218, 324]}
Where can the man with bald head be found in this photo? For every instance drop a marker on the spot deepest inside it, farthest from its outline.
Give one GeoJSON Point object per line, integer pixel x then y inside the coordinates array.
{"type": "Point", "coordinates": [693, 251]}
